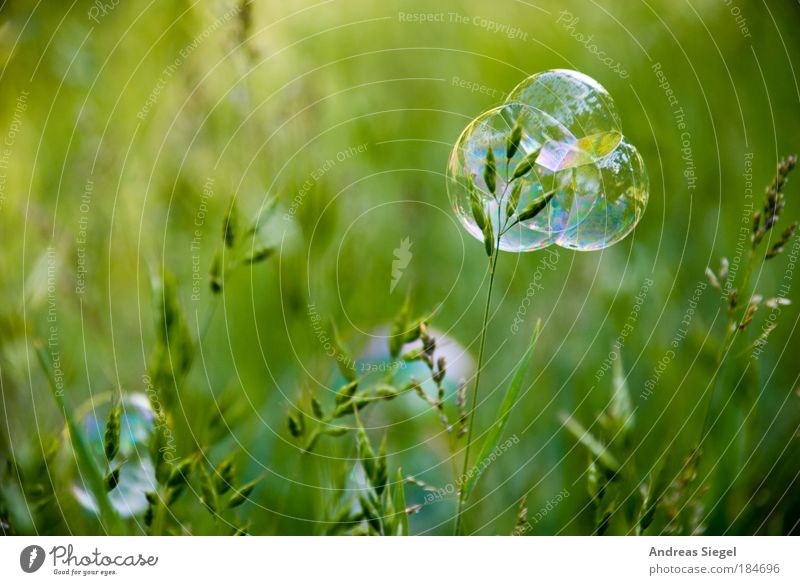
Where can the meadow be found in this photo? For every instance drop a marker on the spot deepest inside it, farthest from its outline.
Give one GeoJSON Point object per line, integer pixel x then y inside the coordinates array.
{"type": "Point", "coordinates": [237, 299]}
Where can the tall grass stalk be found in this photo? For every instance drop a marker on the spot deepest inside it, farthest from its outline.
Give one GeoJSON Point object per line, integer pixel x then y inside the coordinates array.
{"type": "Point", "coordinates": [741, 300]}
{"type": "Point", "coordinates": [108, 518]}
{"type": "Point", "coordinates": [462, 494]}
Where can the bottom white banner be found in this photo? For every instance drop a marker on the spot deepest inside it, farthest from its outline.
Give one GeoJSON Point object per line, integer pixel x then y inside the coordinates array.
{"type": "Point", "coordinates": [400, 560]}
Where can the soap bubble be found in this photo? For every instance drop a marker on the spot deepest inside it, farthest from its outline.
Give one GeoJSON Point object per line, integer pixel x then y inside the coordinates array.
{"type": "Point", "coordinates": [550, 166]}
{"type": "Point", "coordinates": [375, 361]}
{"type": "Point", "coordinates": [576, 100]}
{"type": "Point", "coordinates": [137, 474]}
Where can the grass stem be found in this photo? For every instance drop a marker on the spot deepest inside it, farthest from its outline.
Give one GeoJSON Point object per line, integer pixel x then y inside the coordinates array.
{"type": "Point", "coordinates": [470, 424]}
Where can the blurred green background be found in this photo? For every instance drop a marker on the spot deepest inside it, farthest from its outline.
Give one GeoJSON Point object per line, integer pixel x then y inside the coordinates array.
{"type": "Point", "coordinates": [129, 128]}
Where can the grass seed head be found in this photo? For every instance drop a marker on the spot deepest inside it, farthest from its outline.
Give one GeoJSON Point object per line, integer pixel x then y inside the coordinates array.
{"type": "Point", "coordinates": [490, 171]}
{"type": "Point", "coordinates": [112, 479]}
{"type": "Point", "coordinates": [512, 143]}
{"type": "Point", "coordinates": [295, 424]}
{"type": "Point", "coordinates": [111, 436]}
{"type": "Point", "coordinates": [241, 495]}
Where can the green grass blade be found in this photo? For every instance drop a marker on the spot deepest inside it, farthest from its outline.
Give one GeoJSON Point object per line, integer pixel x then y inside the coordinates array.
{"type": "Point", "coordinates": [86, 462]}
{"type": "Point", "coordinates": [659, 482]}
{"type": "Point", "coordinates": [621, 403]}
{"type": "Point", "coordinates": [503, 414]}
{"type": "Point", "coordinates": [592, 443]}
{"type": "Point", "coordinates": [400, 504]}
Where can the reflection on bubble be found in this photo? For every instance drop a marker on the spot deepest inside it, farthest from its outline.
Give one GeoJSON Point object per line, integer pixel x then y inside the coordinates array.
{"type": "Point", "coordinates": [137, 474]}
{"type": "Point", "coordinates": [550, 166]}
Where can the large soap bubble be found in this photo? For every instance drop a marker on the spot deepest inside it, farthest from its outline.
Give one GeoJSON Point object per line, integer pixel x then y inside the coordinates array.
{"type": "Point", "coordinates": [550, 166]}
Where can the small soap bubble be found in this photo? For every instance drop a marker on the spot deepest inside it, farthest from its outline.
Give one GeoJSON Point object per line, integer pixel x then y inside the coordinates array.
{"type": "Point", "coordinates": [459, 362]}
{"type": "Point", "coordinates": [137, 474]}
{"type": "Point", "coordinates": [550, 166]}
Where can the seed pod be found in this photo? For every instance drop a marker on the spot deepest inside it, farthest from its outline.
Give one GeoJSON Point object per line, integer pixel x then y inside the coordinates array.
{"type": "Point", "coordinates": [712, 278]}
{"type": "Point", "coordinates": [439, 373]}
{"type": "Point", "coordinates": [774, 251]}
{"type": "Point", "coordinates": [488, 239]}
{"type": "Point", "coordinates": [215, 274]}
{"type": "Point", "coordinates": [428, 344]}
{"type": "Point", "coordinates": [396, 340]}
{"type": "Point", "coordinates": [207, 493]}
{"type": "Point", "coordinates": [149, 514]}
{"type": "Point", "coordinates": [748, 315]}
{"type": "Point", "coordinates": [366, 454]}
{"type": "Point", "coordinates": [724, 267]}
{"type": "Point", "coordinates": [512, 145]}
{"type": "Point", "coordinates": [174, 493]}
{"type": "Point", "coordinates": [259, 254]}
{"type": "Point", "coordinates": [413, 509]}
{"type": "Point", "coordinates": [381, 471]}
{"type": "Point", "coordinates": [461, 405]}
{"type": "Point", "coordinates": [112, 434]}
{"type": "Point", "coordinates": [112, 479]}
{"type": "Point", "coordinates": [513, 200]}
{"type": "Point", "coordinates": [776, 302]}
{"type": "Point", "coordinates": [180, 473]}
{"type": "Point", "coordinates": [311, 441]}
{"type": "Point", "coordinates": [595, 483]}
{"type": "Point", "coordinates": [295, 424]}
{"type": "Point", "coordinates": [316, 408]}
{"type": "Point", "coordinates": [343, 409]}
{"type": "Point", "coordinates": [536, 207]}
{"type": "Point", "coordinates": [522, 516]}
{"type": "Point", "coordinates": [413, 356]}
{"type": "Point", "coordinates": [224, 476]}
{"type": "Point", "coordinates": [371, 514]}
{"type": "Point", "coordinates": [346, 392]}
{"type": "Point", "coordinates": [229, 231]}
{"type": "Point", "coordinates": [240, 496]}
{"type": "Point", "coordinates": [387, 392]}
{"type": "Point", "coordinates": [789, 232]}
{"type": "Point", "coordinates": [477, 211]}
{"type": "Point", "coordinates": [525, 165]}
{"type": "Point", "coordinates": [335, 431]}
{"type": "Point", "coordinates": [415, 331]}
{"type": "Point", "coordinates": [490, 171]}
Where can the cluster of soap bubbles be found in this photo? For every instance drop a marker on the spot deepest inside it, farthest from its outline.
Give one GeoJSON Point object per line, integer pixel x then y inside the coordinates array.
{"type": "Point", "coordinates": [549, 166]}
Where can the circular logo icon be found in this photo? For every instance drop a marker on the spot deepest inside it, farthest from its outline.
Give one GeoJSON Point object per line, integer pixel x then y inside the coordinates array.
{"type": "Point", "coordinates": [31, 558]}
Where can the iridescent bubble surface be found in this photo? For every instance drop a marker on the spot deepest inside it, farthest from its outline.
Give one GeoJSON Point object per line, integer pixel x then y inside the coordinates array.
{"type": "Point", "coordinates": [550, 166]}
{"type": "Point", "coordinates": [137, 474]}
